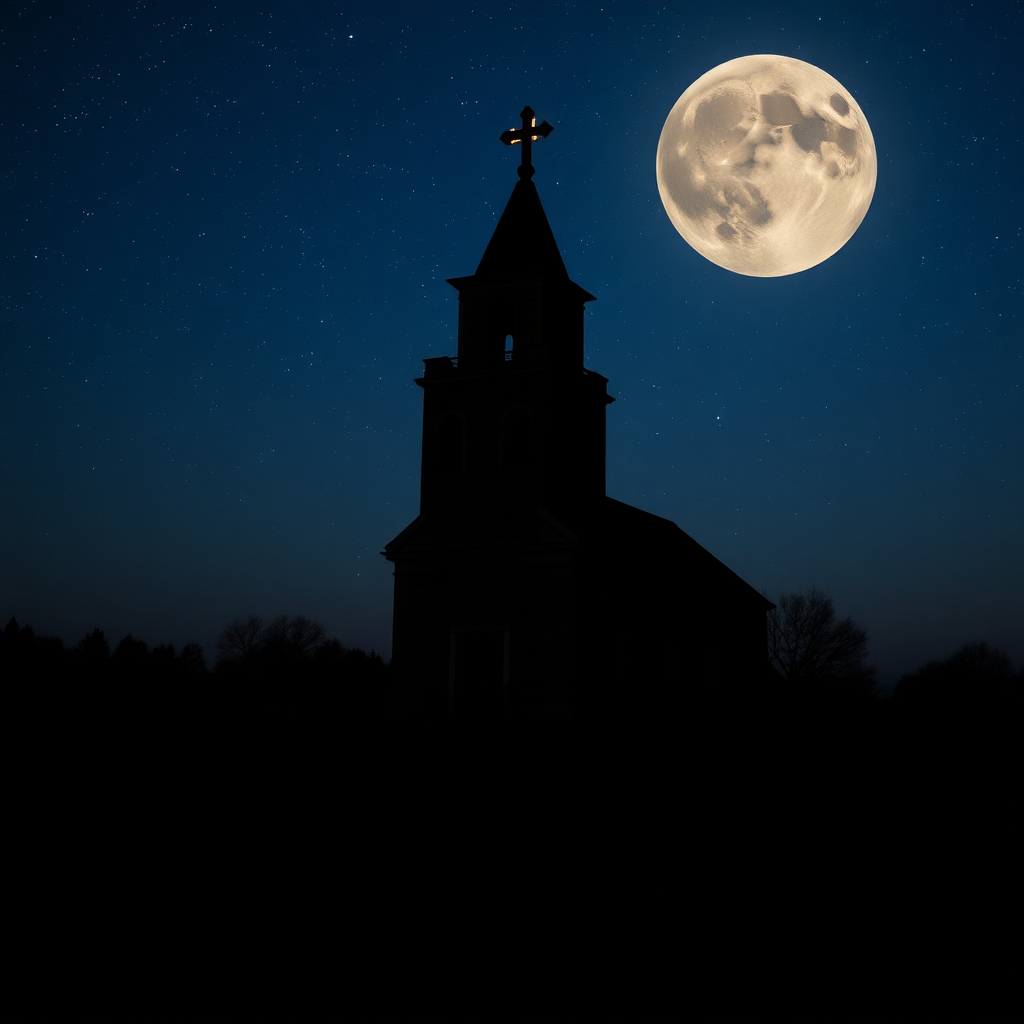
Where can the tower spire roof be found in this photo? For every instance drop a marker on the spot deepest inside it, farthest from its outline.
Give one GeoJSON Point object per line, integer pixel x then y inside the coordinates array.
{"type": "Point", "coordinates": [523, 246]}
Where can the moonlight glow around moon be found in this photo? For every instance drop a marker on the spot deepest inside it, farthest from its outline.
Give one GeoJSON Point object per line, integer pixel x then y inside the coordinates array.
{"type": "Point", "coordinates": [766, 165]}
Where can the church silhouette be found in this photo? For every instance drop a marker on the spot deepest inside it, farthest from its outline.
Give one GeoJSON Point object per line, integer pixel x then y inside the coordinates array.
{"type": "Point", "coordinates": [521, 589]}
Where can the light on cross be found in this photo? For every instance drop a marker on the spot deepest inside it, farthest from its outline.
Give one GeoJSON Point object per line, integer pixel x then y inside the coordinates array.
{"type": "Point", "coordinates": [529, 131]}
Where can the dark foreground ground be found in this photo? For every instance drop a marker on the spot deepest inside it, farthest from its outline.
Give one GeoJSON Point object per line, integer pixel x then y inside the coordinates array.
{"type": "Point", "coordinates": [222, 834]}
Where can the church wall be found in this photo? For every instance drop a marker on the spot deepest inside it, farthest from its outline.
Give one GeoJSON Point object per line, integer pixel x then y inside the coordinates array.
{"type": "Point", "coordinates": [523, 591]}
{"type": "Point", "coordinates": [663, 633]}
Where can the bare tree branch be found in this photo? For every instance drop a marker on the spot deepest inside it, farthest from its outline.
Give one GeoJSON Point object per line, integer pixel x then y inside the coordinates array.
{"type": "Point", "coordinates": [293, 637]}
{"type": "Point", "coordinates": [241, 639]}
{"type": "Point", "coordinates": [806, 640]}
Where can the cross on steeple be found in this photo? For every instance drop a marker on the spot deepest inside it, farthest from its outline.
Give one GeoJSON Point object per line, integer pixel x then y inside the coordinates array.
{"type": "Point", "coordinates": [529, 131]}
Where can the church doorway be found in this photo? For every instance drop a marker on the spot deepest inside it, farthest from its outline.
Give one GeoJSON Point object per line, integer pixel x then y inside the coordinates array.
{"type": "Point", "coordinates": [478, 674]}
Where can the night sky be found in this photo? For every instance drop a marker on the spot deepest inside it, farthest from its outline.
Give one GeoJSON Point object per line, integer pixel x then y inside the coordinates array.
{"type": "Point", "coordinates": [226, 232]}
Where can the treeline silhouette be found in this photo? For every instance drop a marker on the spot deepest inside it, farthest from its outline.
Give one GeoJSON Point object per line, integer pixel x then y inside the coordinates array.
{"type": "Point", "coordinates": [288, 711]}
{"type": "Point", "coordinates": [28, 657]}
{"type": "Point", "coordinates": [819, 667]}
{"type": "Point", "coordinates": [288, 650]}
{"type": "Point", "coordinates": [816, 667]}
{"type": "Point", "coordinates": [286, 755]}
{"type": "Point", "coordinates": [970, 694]}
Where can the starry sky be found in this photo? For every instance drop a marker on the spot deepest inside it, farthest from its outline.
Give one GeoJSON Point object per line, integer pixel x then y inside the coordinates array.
{"type": "Point", "coordinates": [226, 232]}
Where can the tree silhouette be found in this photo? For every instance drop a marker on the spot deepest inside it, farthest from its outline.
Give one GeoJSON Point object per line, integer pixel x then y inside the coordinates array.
{"type": "Point", "coordinates": [288, 643]}
{"type": "Point", "coordinates": [291, 639]}
{"type": "Point", "coordinates": [130, 659]}
{"type": "Point", "coordinates": [240, 640]}
{"type": "Point", "coordinates": [93, 647]}
{"type": "Point", "coordinates": [976, 676]}
{"type": "Point", "coordinates": [190, 660]}
{"type": "Point", "coordinates": [23, 654]}
{"type": "Point", "coordinates": [808, 642]}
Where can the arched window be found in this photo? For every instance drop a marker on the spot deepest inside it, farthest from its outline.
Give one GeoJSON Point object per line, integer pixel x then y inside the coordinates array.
{"type": "Point", "coordinates": [450, 446]}
{"type": "Point", "coordinates": [516, 441]}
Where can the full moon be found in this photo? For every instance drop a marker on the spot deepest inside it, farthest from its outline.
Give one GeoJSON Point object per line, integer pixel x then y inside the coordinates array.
{"type": "Point", "coordinates": [766, 165]}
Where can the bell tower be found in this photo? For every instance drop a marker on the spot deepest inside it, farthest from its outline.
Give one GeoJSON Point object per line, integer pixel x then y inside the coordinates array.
{"type": "Point", "coordinates": [513, 450]}
{"type": "Point", "coordinates": [515, 414]}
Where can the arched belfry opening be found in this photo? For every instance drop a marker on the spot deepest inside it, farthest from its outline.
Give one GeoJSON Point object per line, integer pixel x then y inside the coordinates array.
{"type": "Point", "coordinates": [521, 588]}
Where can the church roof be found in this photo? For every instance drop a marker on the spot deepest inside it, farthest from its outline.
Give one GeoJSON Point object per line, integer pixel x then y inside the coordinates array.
{"type": "Point", "coordinates": [620, 535]}
{"type": "Point", "coordinates": [615, 522]}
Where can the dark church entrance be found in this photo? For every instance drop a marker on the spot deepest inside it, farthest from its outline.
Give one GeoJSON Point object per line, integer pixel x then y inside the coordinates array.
{"type": "Point", "coordinates": [610, 607]}
{"type": "Point", "coordinates": [478, 673]}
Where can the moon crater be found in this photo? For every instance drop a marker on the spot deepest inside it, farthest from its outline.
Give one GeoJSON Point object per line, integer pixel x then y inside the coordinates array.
{"type": "Point", "coordinates": [766, 165]}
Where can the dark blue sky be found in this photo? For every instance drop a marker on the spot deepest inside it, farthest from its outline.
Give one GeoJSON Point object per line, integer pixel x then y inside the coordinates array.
{"type": "Point", "coordinates": [226, 232]}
